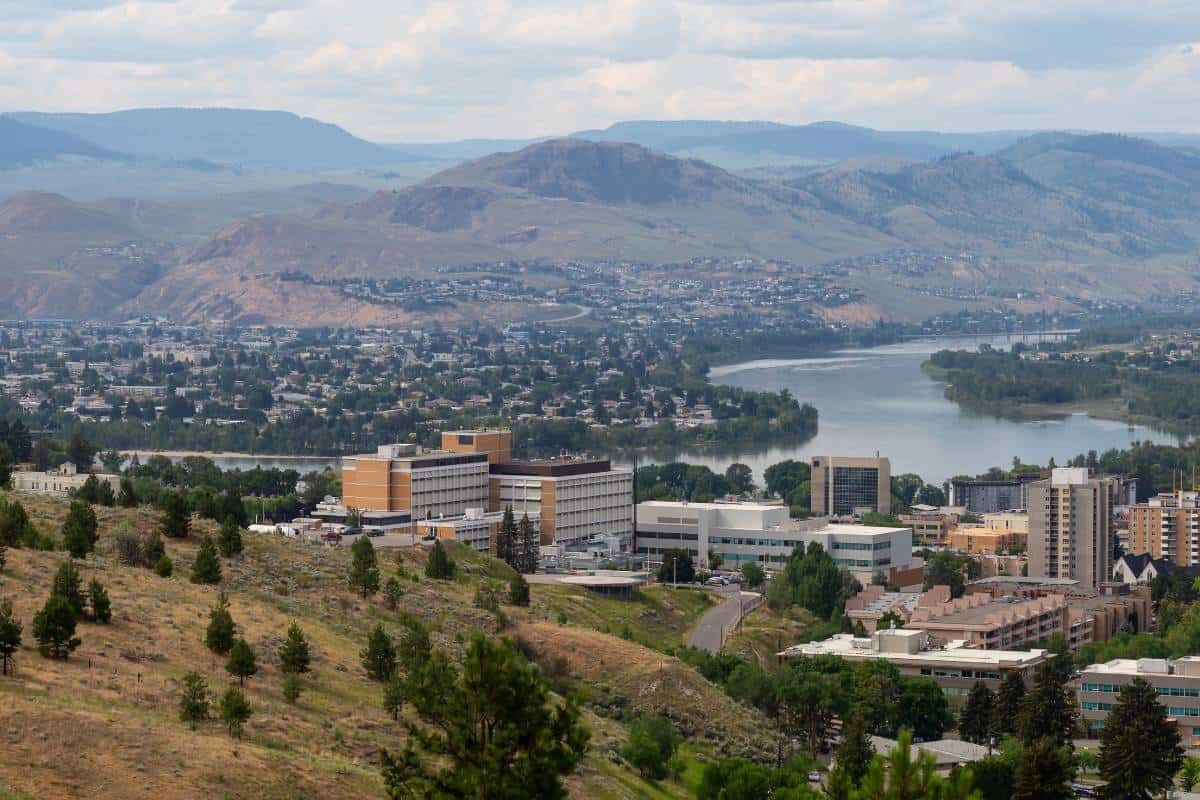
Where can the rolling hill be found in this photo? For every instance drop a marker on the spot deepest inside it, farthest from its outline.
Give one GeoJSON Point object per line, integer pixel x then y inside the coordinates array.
{"type": "Point", "coordinates": [250, 138]}
{"type": "Point", "coordinates": [22, 144]}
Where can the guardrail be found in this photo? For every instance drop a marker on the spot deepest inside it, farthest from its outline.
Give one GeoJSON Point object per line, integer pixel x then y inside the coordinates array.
{"type": "Point", "coordinates": [748, 601]}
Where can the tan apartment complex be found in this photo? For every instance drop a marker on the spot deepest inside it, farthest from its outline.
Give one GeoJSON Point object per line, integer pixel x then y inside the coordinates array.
{"type": "Point", "coordinates": [1070, 526]}
{"type": "Point", "coordinates": [980, 540]}
{"type": "Point", "coordinates": [1167, 526]}
{"type": "Point", "coordinates": [843, 486]}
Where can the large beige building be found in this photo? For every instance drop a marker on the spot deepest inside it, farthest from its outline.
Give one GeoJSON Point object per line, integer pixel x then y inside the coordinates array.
{"type": "Point", "coordinates": [60, 481]}
{"type": "Point", "coordinates": [1071, 526]}
{"type": "Point", "coordinates": [1167, 526]}
{"type": "Point", "coordinates": [571, 499]}
{"type": "Point", "coordinates": [842, 485]}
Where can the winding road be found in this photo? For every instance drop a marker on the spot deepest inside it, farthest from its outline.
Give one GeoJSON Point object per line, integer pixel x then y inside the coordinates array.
{"type": "Point", "coordinates": [707, 635]}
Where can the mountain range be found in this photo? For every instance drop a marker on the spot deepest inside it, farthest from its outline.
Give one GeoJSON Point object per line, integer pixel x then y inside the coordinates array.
{"type": "Point", "coordinates": [1066, 216]}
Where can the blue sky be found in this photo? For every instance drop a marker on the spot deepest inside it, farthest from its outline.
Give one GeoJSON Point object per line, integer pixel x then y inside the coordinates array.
{"type": "Point", "coordinates": [403, 70]}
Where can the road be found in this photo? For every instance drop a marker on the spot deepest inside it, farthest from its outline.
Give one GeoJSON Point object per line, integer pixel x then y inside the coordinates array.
{"type": "Point", "coordinates": [707, 633]}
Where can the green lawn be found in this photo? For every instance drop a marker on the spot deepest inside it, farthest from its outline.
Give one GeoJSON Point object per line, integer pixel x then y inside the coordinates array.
{"type": "Point", "coordinates": [657, 617]}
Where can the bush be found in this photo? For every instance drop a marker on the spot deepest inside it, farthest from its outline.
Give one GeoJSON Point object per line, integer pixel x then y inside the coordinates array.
{"type": "Point", "coordinates": [440, 565]}
{"type": "Point", "coordinates": [164, 567]}
{"type": "Point", "coordinates": [652, 743]}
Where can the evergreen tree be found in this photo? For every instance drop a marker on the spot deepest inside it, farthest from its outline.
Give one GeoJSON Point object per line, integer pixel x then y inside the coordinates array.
{"type": "Point", "coordinates": [975, 719]}
{"type": "Point", "coordinates": [79, 529]}
{"type": "Point", "coordinates": [127, 496]}
{"type": "Point", "coordinates": [364, 567]}
{"type": "Point", "coordinates": [292, 686]}
{"type": "Point", "coordinates": [530, 543]}
{"type": "Point", "coordinates": [491, 725]}
{"type": "Point", "coordinates": [219, 636]}
{"type": "Point", "coordinates": [392, 592]}
{"type": "Point", "coordinates": [98, 599]}
{"type": "Point", "coordinates": [652, 744]}
{"type": "Point", "coordinates": [415, 647]}
{"type": "Point", "coordinates": [899, 776]}
{"type": "Point", "coordinates": [153, 549]}
{"type": "Point", "coordinates": [164, 567]}
{"type": "Point", "coordinates": [176, 520]}
{"type": "Point", "coordinates": [677, 567]}
{"type": "Point", "coordinates": [379, 656]}
{"type": "Point", "coordinates": [6, 465]}
{"type": "Point", "coordinates": [207, 566]}
{"type": "Point", "coordinates": [241, 664]}
{"type": "Point", "coordinates": [232, 507]}
{"type": "Point", "coordinates": [10, 635]}
{"type": "Point", "coordinates": [3, 556]}
{"type": "Point", "coordinates": [235, 710]}
{"type": "Point", "coordinates": [54, 628]}
{"type": "Point", "coordinates": [1007, 711]}
{"type": "Point", "coordinates": [855, 752]}
{"type": "Point", "coordinates": [230, 538]}
{"type": "Point", "coordinates": [16, 530]}
{"type": "Point", "coordinates": [294, 656]}
{"type": "Point", "coordinates": [193, 704]}
{"type": "Point", "coordinates": [80, 452]}
{"type": "Point", "coordinates": [506, 538]}
{"type": "Point", "coordinates": [394, 697]}
{"type": "Point", "coordinates": [1050, 710]}
{"type": "Point", "coordinates": [439, 566]}
{"type": "Point", "coordinates": [1044, 772]}
{"type": "Point", "coordinates": [1140, 750]}
{"type": "Point", "coordinates": [518, 590]}
{"type": "Point", "coordinates": [68, 584]}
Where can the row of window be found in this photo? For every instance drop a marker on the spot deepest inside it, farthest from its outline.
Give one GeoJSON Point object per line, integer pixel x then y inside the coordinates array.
{"type": "Point", "coordinates": [883, 545]}
{"type": "Point", "coordinates": [1162, 691]}
{"type": "Point", "coordinates": [959, 673]}
{"type": "Point", "coordinates": [685, 537]}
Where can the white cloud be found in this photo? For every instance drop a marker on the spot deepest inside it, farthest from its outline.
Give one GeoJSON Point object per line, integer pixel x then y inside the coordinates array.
{"type": "Point", "coordinates": [424, 69]}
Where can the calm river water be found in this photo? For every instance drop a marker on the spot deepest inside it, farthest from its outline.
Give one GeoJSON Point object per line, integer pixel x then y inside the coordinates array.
{"type": "Point", "coordinates": [879, 399]}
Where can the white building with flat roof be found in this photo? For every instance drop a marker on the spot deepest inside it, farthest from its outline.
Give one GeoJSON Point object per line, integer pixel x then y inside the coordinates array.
{"type": "Point", "coordinates": [763, 533]}
{"type": "Point", "coordinates": [954, 666]}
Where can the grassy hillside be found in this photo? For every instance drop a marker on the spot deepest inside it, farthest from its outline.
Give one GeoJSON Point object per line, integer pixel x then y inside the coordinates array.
{"type": "Point", "coordinates": [105, 723]}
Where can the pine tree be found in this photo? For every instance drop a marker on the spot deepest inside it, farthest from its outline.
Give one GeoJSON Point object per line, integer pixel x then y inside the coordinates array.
{"type": "Point", "coordinates": [506, 537]}
{"type": "Point", "coordinates": [394, 696]}
{"type": "Point", "coordinates": [1140, 750]}
{"type": "Point", "coordinates": [193, 704]}
{"type": "Point", "coordinates": [439, 566]}
{"type": "Point", "coordinates": [294, 656]}
{"type": "Point", "coordinates": [79, 529]}
{"type": "Point", "coordinates": [3, 556]}
{"type": "Point", "coordinates": [1007, 711]}
{"type": "Point", "coordinates": [10, 635]}
{"type": "Point", "coordinates": [364, 567]}
{"type": "Point", "coordinates": [530, 544]}
{"type": "Point", "coordinates": [379, 656]}
{"type": "Point", "coordinates": [54, 628]}
{"type": "Point", "coordinates": [855, 752]}
{"type": "Point", "coordinates": [164, 567]}
{"type": "Point", "coordinates": [176, 522]}
{"type": "Point", "coordinates": [1050, 709]}
{"type": "Point", "coordinates": [68, 585]}
{"type": "Point", "coordinates": [235, 710]}
{"type": "Point", "coordinates": [230, 538]}
{"type": "Point", "coordinates": [241, 664]}
{"type": "Point", "coordinates": [153, 549]}
{"type": "Point", "coordinates": [392, 592]}
{"type": "Point", "coordinates": [219, 636]}
{"type": "Point", "coordinates": [518, 590]}
{"type": "Point", "coordinates": [292, 686]}
{"type": "Point", "coordinates": [127, 496]}
{"type": "Point", "coordinates": [975, 719]}
{"type": "Point", "coordinates": [98, 599]}
{"type": "Point", "coordinates": [207, 567]}
{"type": "Point", "coordinates": [1044, 772]}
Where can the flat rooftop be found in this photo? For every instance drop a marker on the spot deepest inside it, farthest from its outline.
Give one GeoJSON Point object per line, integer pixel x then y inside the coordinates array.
{"type": "Point", "coordinates": [847, 645]}
{"type": "Point", "coordinates": [890, 600]}
{"type": "Point", "coordinates": [1142, 666]}
{"type": "Point", "coordinates": [711, 506]}
{"type": "Point", "coordinates": [553, 467]}
{"type": "Point", "coordinates": [979, 615]}
{"type": "Point", "coordinates": [1018, 580]}
{"type": "Point", "coordinates": [846, 529]}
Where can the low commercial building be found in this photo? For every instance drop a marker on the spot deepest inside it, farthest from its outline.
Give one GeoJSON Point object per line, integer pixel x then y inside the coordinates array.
{"type": "Point", "coordinates": [930, 527]}
{"type": "Point", "coordinates": [1007, 522]}
{"type": "Point", "coordinates": [1176, 682]}
{"type": "Point", "coordinates": [976, 539]}
{"type": "Point", "coordinates": [59, 481]}
{"type": "Point", "coordinates": [476, 528]}
{"type": "Point", "coordinates": [955, 667]}
{"type": "Point", "coordinates": [763, 533]}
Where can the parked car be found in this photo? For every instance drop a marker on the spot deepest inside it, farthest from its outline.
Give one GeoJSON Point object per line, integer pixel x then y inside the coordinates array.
{"type": "Point", "coordinates": [1083, 790]}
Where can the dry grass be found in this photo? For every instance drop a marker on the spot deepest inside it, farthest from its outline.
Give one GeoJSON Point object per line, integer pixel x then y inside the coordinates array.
{"type": "Point", "coordinates": [105, 723]}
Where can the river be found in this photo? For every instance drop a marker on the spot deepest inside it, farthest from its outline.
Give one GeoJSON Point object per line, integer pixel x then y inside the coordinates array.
{"type": "Point", "coordinates": [880, 400]}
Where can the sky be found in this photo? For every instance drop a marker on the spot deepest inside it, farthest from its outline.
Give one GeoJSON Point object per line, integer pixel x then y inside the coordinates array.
{"type": "Point", "coordinates": [408, 70]}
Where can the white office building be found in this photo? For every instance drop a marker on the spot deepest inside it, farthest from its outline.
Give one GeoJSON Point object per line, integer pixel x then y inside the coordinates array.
{"type": "Point", "coordinates": [762, 532]}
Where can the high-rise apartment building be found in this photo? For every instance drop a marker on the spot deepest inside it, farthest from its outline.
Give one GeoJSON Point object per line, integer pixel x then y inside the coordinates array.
{"type": "Point", "coordinates": [1167, 526]}
{"type": "Point", "coordinates": [843, 485]}
{"type": "Point", "coordinates": [1070, 526]}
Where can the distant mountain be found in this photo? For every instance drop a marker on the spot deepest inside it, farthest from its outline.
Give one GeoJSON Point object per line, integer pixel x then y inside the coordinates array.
{"type": "Point", "coordinates": [464, 149]}
{"type": "Point", "coordinates": [749, 144]}
{"type": "Point", "coordinates": [22, 144]}
{"type": "Point", "coordinates": [1113, 171]}
{"type": "Point", "coordinates": [249, 138]}
{"type": "Point", "coordinates": [46, 215]}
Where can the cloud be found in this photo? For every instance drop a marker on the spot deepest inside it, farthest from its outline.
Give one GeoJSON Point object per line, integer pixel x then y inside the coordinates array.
{"type": "Point", "coordinates": [425, 69]}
